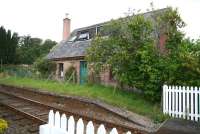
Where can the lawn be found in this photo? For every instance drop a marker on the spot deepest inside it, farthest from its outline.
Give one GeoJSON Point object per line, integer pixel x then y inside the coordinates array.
{"type": "Point", "coordinates": [130, 101]}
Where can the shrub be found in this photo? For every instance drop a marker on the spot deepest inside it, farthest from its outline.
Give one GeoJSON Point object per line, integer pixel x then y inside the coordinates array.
{"type": "Point", "coordinates": [71, 75]}
{"type": "Point", "coordinates": [3, 126]}
{"type": "Point", "coordinates": [138, 59]}
{"type": "Point", "coordinates": [45, 67]}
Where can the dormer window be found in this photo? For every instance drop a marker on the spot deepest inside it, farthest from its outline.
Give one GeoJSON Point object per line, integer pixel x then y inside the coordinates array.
{"type": "Point", "coordinates": [84, 36]}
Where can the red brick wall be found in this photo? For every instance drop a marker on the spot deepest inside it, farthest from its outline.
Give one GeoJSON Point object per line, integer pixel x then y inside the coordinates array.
{"type": "Point", "coordinates": [66, 28]}
{"type": "Point", "coordinates": [162, 41]}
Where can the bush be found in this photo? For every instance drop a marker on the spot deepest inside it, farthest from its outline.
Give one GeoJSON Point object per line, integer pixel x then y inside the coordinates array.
{"type": "Point", "coordinates": [45, 67]}
{"type": "Point", "coordinates": [138, 59]}
{"type": "Point", "coordinates": [3, 126]}
{"type": "Point", "coordinates": [71, 75]}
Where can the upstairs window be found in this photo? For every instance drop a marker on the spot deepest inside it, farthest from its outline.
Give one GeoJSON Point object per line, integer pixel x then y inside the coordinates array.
{"type": "Point", "coordinates": [84, 36]}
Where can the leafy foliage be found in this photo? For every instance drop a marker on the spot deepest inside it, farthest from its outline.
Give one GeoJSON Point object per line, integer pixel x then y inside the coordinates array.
{"type": "Point", "coordinates": [184, 66]}
{"type": "Point", "coordinates": [45, 67]}
{"type": "Point", "coordinates": [29, 49]}
{"type": "Point", "coordinates": [131, 50]}
{"type": "Point", "coordinates": [22, 50]}
{"type": "Point", "coordinates": [71, 75]}
{"type": "Point", "coordinates": [8, 45]}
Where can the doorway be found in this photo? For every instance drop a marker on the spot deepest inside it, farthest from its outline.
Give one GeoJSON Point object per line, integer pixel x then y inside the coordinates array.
{"type": "Point", "coordinates": [83, 72]}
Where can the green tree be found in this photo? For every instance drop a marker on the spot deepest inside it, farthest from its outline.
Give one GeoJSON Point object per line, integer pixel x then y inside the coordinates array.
{"type": "Point", "coordinates": [184, 65]}
{"type": "Point", "coordinates": [46, 46]}
{"type": "Point", "coordinates": [131, 51]}
{"type": "Point", "coordinates": [44, 67]}
{"type": "Point", "coordinates": [8, 45]}
{"type": "Point", "coordinates": [29, 49]}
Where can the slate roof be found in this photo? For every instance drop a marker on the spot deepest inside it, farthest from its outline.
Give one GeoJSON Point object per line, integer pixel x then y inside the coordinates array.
{"type": "Point", "coordinates": [66, 49]}
{"type": "Point", "coordinates": [69, 49]}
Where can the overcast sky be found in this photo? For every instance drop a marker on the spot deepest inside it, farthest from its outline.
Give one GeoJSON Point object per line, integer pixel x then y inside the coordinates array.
{"type": "Point", "coordinates": [44, 18]}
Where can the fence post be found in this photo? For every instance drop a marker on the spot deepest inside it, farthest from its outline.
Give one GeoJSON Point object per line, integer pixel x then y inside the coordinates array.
{"type": "Point", "coordinates": [128, 132]}
{"type": "Point", "coordinates": [80, 127]}
{"type": "Point", "coordinates": [90, 128]}
{"type": "Point", "coordinates": [51, 118]}
{"type": "Point", "coordinates": [196, 104]}
{"type": "Point", "coordinates": [57, 119]}
{"type": "Point", "coordinates": [63, 122]}
{"type": "Point", "coordinates": [101, 130]}
{"type": "Point", "coordinates": [170, 98]}
{"type": "Point", "coordinates": [184, 108]}
{"type": "Point", "coordinates": [187, 109]}
{"type": "Point", "coordinates": [180, 102]}
{"type": "Point", "coordinates": [71, 125]}
{"type": "Point", "coordinates": [173, 101]}
{"type": "Point", "coordinates": [167, 99]}
{"type": "Point", "coordinates": [163, 99]}
{"type": "Point", "coordinates": [176, 101]}
{"type": "Point", "coordinates": [192, 103]}
{"type": "Point", "coordinates": [114, 131]}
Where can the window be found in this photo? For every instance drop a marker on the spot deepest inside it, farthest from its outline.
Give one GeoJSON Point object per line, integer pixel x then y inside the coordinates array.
{"type": "Point", "coordinates": [83, 36]}
{"type": "Point", "coordinates": [61, 69]}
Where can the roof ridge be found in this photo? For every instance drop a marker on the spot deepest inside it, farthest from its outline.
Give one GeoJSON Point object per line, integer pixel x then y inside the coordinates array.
{"type": "Point", "coordinates": [99, 24]}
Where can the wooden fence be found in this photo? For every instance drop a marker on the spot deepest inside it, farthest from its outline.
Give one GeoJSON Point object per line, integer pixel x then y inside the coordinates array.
{"type": "Point", "coordinates": [182, 102]}
{"type": "Point", "coordinates": [61, 125]}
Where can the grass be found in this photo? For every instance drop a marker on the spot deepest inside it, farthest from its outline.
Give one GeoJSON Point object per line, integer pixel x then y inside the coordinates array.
{"type": "Point", "coordinates": [130, 101]}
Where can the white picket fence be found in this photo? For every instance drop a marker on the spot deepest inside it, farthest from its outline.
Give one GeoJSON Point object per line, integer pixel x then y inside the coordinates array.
{"type": "Point", "coordinates": [61, 125]}
{"type": "Point", "coordinates": [182, 102]}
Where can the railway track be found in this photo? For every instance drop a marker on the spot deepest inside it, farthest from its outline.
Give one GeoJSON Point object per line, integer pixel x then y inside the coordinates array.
{"type": "Point", "coordinates": [18, 123]}
{"type": "Point", "coordinates": [37, 111]}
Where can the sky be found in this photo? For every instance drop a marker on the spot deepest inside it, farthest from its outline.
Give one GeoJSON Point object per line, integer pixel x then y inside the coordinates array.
{"type": "Point", "coordinates": [44, 18]}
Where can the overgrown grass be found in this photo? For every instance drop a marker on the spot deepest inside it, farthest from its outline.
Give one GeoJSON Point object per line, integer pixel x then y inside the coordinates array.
{"type": "Point", "coordinates": [130, 101]}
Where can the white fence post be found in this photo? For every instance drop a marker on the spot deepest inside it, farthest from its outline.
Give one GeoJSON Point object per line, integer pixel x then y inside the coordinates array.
{"type": "Point", "coordinates": [71, 125]}
{"type": "Point", "coordinates": [80, 127]}
{"type": "Point", "coordinates": [196, 104]}
{"type": "Point", "coordinates": [165, 99]}
{"type": "Point", "coordinates": [57, 119]}
{"type": "Point", "coordinates": [63, 122]}
{"type": "Point", "coordinates": [192, 103]}
{"type": "Point", "coordinates": [90, 128]}
{"type": "Point", "coordinates": [101, 130]}
{"type": "Point", "coordinates": [114, 131]}
{"type": "Point", "coordinates": [128, 132]}
{"type": "Point", "coordinates": [184, 109]}
{"type": "Point", "coordinates": [187, 101]}
{"type": "Point", "coordinates": [51, 118]}
{"type": "Point", "coordinates": [182, 102]}
{"type": "Point", "coordinates": [170, 98]}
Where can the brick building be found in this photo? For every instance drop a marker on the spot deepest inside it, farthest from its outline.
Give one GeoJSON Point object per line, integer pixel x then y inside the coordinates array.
{"type": "Point", "coordinates": [72, 50]}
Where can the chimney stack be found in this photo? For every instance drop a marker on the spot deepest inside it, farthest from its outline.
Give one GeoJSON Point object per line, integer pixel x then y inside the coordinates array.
{"type": "Point", "coordinates": [66, 27]}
